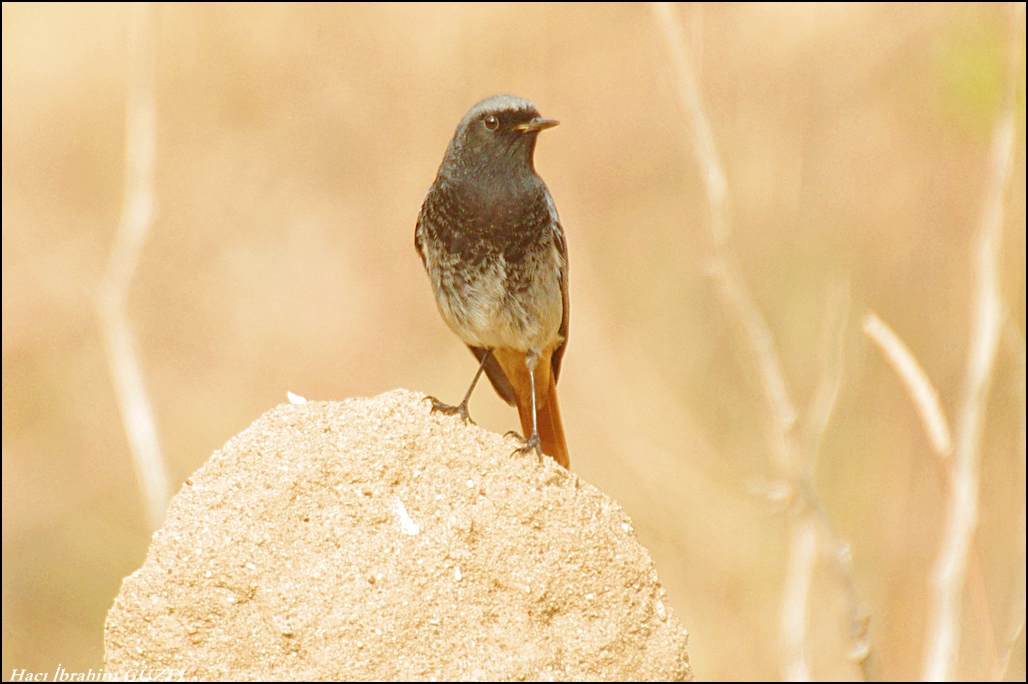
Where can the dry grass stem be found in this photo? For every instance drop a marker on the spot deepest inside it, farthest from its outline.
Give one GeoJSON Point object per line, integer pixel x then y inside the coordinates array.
{"type": "Point", "coordinates": [916, 382]}
{"type": "Point", "coordinates": [689, 96]}
{"type": "Point", "coordinates": [822, 402]}
{"type": "Point", "coordinates": [809, 526]}
{"type": "Point", "coordinates": [796, 598]}
{"type": "Point", "coordinates": [1015, 341]}
{"type": "Point", "coordinates": [815, 421]}
{"type": "Point", "coordinates": [988, 317]}
{"type": "Point", "coordinates": [136, 217]}
{"type": "Point", "coordinates": [1016, 614]}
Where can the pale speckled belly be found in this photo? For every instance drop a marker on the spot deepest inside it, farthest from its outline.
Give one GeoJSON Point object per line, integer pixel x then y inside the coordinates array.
{"type": "Point", "coordinates": [494, 307]}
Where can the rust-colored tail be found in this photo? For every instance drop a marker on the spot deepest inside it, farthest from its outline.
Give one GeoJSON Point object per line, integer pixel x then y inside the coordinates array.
{"type": "Point", "coordinates": [512, 382]}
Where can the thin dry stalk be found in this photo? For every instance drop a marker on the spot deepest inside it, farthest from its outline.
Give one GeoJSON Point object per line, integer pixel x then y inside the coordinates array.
{"type": "Point", "coordinates": [822, 402]}
{"type": "Point", "coordinates": [1015, 341]}
{"type": "Point", "coordinates": [799, 578]}
{"type": "Point", "coordinates": [915, 380]}
{"type": "Point", "coordinates": [809, 526]}
{"type": "Point", "coordinates": [136, 216]}
{"type": "Point", "coordinates": [988, 315]}
{"type": "Point", "coordinates": [814, 424]}
{"type": "Point", "coordinates": [1016, 617]}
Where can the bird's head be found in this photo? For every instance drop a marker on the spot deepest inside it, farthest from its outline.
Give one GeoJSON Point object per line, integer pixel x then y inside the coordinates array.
{"type": "Point", "coordinates": [496, 137]}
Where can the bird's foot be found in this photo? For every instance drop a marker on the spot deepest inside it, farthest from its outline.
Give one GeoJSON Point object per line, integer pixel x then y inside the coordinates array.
{"type": "Point", "coordinates": [527, 445]}
{"type": "Point", "coordinates": [460, 409]}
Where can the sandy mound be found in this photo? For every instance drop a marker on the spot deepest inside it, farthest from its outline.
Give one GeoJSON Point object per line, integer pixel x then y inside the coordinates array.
{"type": "Point", "coordinates": [372, 539]}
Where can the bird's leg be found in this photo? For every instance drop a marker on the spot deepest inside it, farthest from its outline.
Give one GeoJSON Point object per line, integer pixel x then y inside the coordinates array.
{"type": "Point", "coordinates": [532, 442]}
{"type": "Point", "coordinates": [462, 408]}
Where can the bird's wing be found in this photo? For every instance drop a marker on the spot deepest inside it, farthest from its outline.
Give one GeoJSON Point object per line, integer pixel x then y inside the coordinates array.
{"type": "Point", "coordinates": [419, 231]}
{"type": "Point", "coordinates": [496, 375]}
{"type": "Point", "coordinates": [562, 247]}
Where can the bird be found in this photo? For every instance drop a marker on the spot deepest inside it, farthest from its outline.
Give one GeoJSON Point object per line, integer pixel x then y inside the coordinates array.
{"type": "Point", "coordinates": [491, 241]}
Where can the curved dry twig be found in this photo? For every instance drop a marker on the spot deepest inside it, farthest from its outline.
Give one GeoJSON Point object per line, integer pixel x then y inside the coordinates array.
{"type": "Point", "coordinates": [915, 380]}
{"type": "Point", "coordinates": [136, 217]}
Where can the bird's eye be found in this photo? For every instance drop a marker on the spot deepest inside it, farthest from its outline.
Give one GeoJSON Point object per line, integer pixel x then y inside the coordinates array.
{"type": "Point", "coordinates": [491, 123]}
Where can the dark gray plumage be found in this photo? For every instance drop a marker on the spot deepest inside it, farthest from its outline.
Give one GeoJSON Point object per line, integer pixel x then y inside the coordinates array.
{"type": "Point", "coordinates": [492, 244]}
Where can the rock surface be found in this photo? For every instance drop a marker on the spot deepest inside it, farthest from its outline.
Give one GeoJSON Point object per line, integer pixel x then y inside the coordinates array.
{"type": "Point", "coordinates": [374, 539]}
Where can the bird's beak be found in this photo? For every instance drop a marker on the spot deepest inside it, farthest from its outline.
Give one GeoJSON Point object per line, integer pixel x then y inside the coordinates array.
{"type": "Point", "coordinates": [536, 124]}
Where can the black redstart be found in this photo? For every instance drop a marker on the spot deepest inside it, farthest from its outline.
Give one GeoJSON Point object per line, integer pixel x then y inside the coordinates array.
{"type": "Point", "coordinates": [491, 241]}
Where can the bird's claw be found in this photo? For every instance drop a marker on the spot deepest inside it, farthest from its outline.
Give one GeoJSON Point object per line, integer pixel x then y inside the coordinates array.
{"type": "Point", "coordinates": [460, 409]}
{"type": "Point", "coordinates": [527, 445]}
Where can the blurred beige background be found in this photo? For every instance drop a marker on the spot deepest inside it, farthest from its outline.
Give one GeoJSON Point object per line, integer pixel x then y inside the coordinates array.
{"type": "Point", "coordinates": [294, 147]}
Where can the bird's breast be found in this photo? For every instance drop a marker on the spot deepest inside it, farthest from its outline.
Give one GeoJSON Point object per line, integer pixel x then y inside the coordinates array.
{"type": "Point", "coordinates": [494, 267]}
